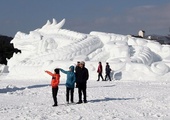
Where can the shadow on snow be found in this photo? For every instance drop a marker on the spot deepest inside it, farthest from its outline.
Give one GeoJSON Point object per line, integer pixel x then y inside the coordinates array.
{"type": "Point", "coordinates": [13, 88]}
{"type": "Point", "coordinates": [101, 86]}
{"type": "Point", "coordinates": [110, 99]}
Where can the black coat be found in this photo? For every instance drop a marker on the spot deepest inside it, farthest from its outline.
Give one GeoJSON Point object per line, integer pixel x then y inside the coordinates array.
{"type": "Point", "coordinates": [108, 69]}
{"type": "Point", "coordinates": [82, 75]}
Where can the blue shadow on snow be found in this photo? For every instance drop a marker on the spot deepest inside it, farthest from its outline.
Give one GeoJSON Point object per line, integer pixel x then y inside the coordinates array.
{"type": "Point", "coordinates": [110, 99]}
{"type": "Point", "coordinates": [13, 89]}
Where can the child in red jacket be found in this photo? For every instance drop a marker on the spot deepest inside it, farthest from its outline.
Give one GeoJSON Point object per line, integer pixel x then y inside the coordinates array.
{"type": "Point", "coordinates": [54, 83]}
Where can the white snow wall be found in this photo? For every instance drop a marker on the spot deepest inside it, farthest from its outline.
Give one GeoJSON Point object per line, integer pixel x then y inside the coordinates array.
{"type": "Point", "coordinates": [50, 47]}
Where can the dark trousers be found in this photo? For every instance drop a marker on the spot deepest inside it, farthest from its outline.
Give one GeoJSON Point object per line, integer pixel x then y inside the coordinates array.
{"type": "Point", "coordinates": [69, 91]}
{"type": "Point", "coordinates": [82, 89]}
{"type": "Point", "coordinates": [100, 75]}
{"type": "Point", "coordinates": [107, 75]}
{"type": "Point", "coordinates": [54, 94]}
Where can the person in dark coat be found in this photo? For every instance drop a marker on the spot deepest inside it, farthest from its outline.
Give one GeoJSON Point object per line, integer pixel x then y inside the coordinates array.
{"type": "Point", "coordinates": [77, 67]}
{"type": "Point", "coordinates": [82, 76]}
{"type": "Point", "coordinates": [107, 71]}
{"type": "Point", "coordinates": [100, 70]}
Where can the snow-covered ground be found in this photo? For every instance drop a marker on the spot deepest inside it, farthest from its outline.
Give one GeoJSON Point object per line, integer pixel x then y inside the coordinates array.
{"type": "Point", "coordinates": [107, 100]}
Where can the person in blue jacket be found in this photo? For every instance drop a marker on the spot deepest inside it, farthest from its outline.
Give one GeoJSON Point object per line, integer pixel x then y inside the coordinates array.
{"type": "Point", "coordinates": [70, 82]}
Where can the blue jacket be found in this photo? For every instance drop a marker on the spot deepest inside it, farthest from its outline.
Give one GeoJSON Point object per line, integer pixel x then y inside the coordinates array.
{"type": "Point", "coordinates": [71, 78]}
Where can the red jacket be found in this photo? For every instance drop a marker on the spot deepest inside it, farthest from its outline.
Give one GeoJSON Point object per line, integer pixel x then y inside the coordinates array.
{"type": "Point", "coordinates": [55, 79]}
{"type": "Point", "coordinates": [99, 70]}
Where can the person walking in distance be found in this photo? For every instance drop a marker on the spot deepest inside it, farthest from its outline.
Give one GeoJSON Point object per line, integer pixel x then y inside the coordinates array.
{"type": "Point", "coordinates": [82, 76]}
{"type": "Point", "coordinates": [100, 70]}
{"type": "Point", "coordinates": [107, 71]}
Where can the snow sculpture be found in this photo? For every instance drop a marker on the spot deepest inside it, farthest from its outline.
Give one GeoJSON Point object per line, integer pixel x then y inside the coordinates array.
{"type": "Point", "coordinates": [49, 43]}
{"type": "Point", "coordinates": [137, 51]}
{"type": "Point", "coordinates": [117, 49]}
{"type": "Point", "coordinates": [159, 68]}
{"type": "Point", "coordinates": [49, 46]}
{"type": "Point", "coordinates": [3, 69]}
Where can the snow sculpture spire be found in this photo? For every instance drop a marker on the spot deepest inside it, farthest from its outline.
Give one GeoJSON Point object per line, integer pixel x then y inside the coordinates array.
{"type": "Point", "coordinates": [54, 22]}
{"type": "Point", "coordinates": [51, 27]}
{"type": "Point", "coordinates": [60, 24]}
{"type": "Point", "coordinates": [48, 23]}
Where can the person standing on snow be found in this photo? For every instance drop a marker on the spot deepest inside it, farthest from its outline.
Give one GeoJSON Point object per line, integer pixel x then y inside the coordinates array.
{"type": "Point", "coordinates": [99, 70]}
{"type": "Point", "coordinates": [70, 82]}
{"type": "Point", "coordinates": [77, 66]}
{"type": "Point", "coordinates": [82, 76]}
{"type": "Point", "coordinates": [54, 83]}
{"type": "Point", "coordinates": [107, 71]}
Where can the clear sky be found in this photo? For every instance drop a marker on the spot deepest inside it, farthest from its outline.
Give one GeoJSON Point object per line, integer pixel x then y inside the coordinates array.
{"type": "Point", "coordinates": [113, 16]}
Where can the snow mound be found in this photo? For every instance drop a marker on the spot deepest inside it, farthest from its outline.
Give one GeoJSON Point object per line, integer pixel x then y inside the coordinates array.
{"type": "Point", "coordinates": [51, 46]}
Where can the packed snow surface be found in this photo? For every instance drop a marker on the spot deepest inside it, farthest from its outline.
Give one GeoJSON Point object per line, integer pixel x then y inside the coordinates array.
{"type": "Point", "coordinates": [115, 100]}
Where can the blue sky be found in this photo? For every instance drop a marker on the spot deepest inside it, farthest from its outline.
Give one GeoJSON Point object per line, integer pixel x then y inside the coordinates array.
{"type": "Point", "coordinates": [113, 16]}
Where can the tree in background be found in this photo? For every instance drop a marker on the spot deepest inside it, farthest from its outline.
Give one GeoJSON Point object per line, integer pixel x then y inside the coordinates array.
{"type": "Point", "coordinates": [6, 49]}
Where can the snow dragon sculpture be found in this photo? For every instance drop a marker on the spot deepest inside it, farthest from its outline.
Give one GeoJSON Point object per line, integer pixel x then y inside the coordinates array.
{"type": "Point", "coordinates": [45, 46]}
